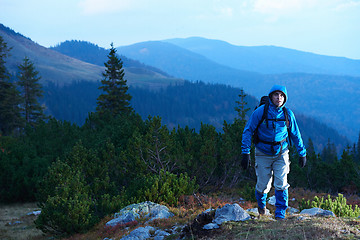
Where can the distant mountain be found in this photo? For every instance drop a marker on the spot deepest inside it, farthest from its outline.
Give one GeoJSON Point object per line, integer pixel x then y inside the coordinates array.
{"type": "Point", "coordinates": [186, 64]}
{"type": "Point", "coordinates": [328, 98]}
{"type": "Point", "coordinates": [52, 66]}
{"type": "Point", "coordinates": [91, 53]}
{"type": "Point", "coordinates": [62, 69]}
{"type": "Point", "coordinates": [268, 59]}
{"type": "Point", "coordinates": [189, 104]}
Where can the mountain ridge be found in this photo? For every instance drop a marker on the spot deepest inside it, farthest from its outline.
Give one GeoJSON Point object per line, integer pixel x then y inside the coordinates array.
{"type": "Point", "coordinates": [62, 69]}
{"type": "Point", "coordinates": [268, 59]}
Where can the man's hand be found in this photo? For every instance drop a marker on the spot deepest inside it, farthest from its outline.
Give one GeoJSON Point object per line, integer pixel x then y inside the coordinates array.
{"type": "Point", "coordinates": [245, 161]}
{"type": "Point", "coordinates": [302, 161]}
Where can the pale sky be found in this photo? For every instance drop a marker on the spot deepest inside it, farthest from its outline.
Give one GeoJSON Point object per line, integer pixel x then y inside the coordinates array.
{"type": "Point", "coordinates": [328, 27]}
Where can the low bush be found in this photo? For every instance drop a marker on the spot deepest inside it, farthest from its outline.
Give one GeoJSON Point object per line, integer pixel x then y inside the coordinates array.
{"type": "Point", "coordinates": [166, 188]}
{"type": "Point", "coordinates": [338, 206]}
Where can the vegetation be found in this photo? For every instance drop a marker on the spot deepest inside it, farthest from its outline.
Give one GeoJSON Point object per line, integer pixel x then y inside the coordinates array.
{"type": "Point", "coordinates": [31, 92]}
{"type": "Point", "coordinates": [81, 174]}
{"type": "Point", "coordinates": [338, 206]}
{"type": "Point", "coordinates": [10, 118]}
{"type": "Point", "coordinates": [115, 98]}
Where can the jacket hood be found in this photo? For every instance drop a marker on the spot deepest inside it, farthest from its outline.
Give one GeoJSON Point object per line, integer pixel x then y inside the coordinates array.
{"type": "Point", "coordinates": [279, 88]}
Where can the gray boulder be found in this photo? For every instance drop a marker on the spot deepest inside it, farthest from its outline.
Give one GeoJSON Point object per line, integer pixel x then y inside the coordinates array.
{"type": "Point", "coordinates": [210, 226]}
{"type": "Point", "coordinates": [256, 211]}
{"type": "Point", "coordinates": [292, 211]}
{"type": "Point", "coordinates": [139, 233]}
{"type": "Point", "coordinates": [160, 234]}
{"type": "Point", "coordinates": [230, 212]}
{"type": "Point", "coordinates": [272, 200]}
{"type": "Point", "coordinates": [318, 212]}
{"type": "Point", "coordinates": [146, 209]}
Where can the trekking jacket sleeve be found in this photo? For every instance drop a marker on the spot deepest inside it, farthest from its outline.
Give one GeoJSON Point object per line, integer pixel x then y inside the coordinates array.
{"type": "Point", "coordinates": [295, 135]}
{"type": "Point", "coordinates": [250, 128]}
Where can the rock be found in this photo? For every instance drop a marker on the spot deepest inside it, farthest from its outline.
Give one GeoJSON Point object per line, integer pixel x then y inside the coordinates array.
{"type": "Point", "coordinates": [160, 234]}
{"type": "Point", "coordinates": [141, 210]}
{"type": "Point", "coordinates": [208, 210]}
{"type": "Point", "coordinates": [230, 212]}
{"type": "Point", "coordinates": [318, 212]}
{"type": "Point", "coordinates": [272, 200]}
{"type": "Point", "coordinates": [256, 211]}
{"type": "Point", "coordinates": [292, 210]}
{"type": "Point", "coordinates": [139, 233]}
{"type": "Point", "coordinates": [302, 218]}
{"type": "Point", "coordinates": [123, 219]}
{"type": "Point", "coordinates": [210, 226]}
{"type": "Point", "coordinates": [14, 223]}
{"type": "Point", "coordinates": [35, 213]}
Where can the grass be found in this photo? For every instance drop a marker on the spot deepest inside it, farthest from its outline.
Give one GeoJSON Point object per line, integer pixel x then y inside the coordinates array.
{"type": "Point", "coordinates": [184, 214]}
{"type": "Point", "coordinates": [16, 224]}
{"type": "Point", "coordinates": [292, 228]}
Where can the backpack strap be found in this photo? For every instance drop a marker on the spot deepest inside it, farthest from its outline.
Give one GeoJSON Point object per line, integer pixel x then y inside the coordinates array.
{"type": "Point", "coordinates": [286, 114]}
{"type": "Point", "coordinates": [265, 117]}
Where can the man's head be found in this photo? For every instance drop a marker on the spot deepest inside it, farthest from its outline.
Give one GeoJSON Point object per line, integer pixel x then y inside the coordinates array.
{"type": "Point", "coordinates": [278, 95]}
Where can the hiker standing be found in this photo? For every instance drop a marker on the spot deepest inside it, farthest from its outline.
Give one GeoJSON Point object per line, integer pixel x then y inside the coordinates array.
{"type": "Point", "coordinates": [271, 124]}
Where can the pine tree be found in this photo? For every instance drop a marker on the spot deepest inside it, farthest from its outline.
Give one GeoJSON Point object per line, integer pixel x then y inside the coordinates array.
{"type": "Point", "coordinates": [31, 92]}
{"type": "Point", "coordinates": [10, 117]}
{"type": "Point", "coordinates": [241, 108]}
{"type": "Point", "coordinates": [115, 100]}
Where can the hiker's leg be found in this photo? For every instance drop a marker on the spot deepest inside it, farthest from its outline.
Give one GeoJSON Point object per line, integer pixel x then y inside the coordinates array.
{"type": "Point", "coordinates": [263, 171]}
{"type": "Point", "coordinates": [281, 169]}
{"type": "Point", "coordinates": [281, 204]}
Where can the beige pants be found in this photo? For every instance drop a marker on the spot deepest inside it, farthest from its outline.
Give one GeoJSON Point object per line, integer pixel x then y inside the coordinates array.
{"type": "Point", "coordinates": [267, 167]}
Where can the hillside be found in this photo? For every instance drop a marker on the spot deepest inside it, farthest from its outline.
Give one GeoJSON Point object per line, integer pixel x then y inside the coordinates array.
{"type": "Point", "coordinates": [61, 69]}
{"type": "Point", "coordinates": [185, 64]}
{"type": "Point", "coordinates": [328, 98]}
{"type": "Point", "coordinates": [53, 66]}
{"type": "Point", "coordinates": [268, 59]}
{"type": "Point", "coordinates": [189, 104]}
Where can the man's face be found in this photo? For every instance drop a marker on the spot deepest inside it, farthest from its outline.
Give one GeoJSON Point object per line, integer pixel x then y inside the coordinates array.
{"type": "Point", "coordinates": [277, 98]}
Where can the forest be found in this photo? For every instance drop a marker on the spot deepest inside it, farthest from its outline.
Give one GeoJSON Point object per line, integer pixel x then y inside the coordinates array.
{"type": "Point", "coordinates": [79, 173]}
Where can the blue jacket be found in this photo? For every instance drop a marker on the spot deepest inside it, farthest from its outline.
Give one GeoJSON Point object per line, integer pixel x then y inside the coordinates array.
{"type": "Point", "coordinates": [276, 131]}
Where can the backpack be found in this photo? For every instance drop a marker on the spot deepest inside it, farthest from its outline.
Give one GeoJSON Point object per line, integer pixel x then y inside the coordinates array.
{"type": "Point", "coordinates": [265, 101]}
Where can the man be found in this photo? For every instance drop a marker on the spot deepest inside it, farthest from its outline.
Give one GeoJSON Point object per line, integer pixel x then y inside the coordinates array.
{"type": "Point", "coordinates": [271, 149]}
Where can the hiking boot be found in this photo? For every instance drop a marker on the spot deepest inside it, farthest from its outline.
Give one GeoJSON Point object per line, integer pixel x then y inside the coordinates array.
{"type": "Point", "coordinates": [262, 211]}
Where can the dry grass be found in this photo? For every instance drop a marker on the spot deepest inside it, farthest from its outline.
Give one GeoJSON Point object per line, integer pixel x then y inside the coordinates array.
{"type": "Point", "coordinates": [186, 212]}
{"type": "Point", "coordinates": [292, 228]}
{"type": "Point", "coordinates": [16, 224]}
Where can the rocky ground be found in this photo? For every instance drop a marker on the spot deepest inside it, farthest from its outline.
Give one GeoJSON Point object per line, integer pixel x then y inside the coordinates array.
{"type": "Point", "coordinates": [16, 222]}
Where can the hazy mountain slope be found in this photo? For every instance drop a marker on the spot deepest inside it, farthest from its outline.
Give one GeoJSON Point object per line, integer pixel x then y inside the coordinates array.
{"type": "Point", "coordinates": [268, 59]}
{"type": "Point", "coordinates": [52, 66]}
{"type": "Point", "coordinates": [62, 69]}
{"type": "Point", "coordinates": [182, 63]}
{"type": "Point", "coordinates": [328, 98]}
{"type": "Point", "coordinates": [189, 105]}
{"type": "Point", "coordinates": [91, 53]}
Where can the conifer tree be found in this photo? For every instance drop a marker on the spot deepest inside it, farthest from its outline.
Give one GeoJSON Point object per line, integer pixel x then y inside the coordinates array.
{"type": "Point", "coordinates": [115, 98]}
{"type": "Point", "coordinates": [241, 108]}
{"type": "Point", "coordinates": [31, 91]}
{"type": "Point", "coordinates": [10, 117]}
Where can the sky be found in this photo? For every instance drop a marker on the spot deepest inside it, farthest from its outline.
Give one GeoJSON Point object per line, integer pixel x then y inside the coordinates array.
{"type": "Point", "coordinates": [327, 27]}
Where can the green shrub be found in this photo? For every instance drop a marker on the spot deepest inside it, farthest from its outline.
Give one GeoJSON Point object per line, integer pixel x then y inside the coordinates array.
{"type": "Point", "coordinates": [68, 210]}
{"type": "Point", "coordinates": [77, 192]}
{"type": "Point", "coordinates": [166, 187]}
{"type": "Point", "coordinates": [338, 206]}
{"type": "Point", "coordinates": [248, 192]}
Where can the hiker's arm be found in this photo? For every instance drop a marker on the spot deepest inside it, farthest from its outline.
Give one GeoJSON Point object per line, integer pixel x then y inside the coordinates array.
{"type": "Point", "coordinates": [295, 135]}
{"type": "Point", "coordinates": [249, 130]}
